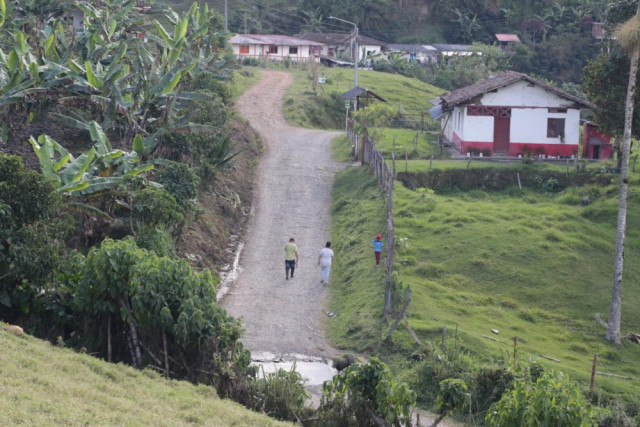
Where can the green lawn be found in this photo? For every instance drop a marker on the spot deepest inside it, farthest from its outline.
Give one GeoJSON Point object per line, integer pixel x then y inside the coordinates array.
{"type": "Point", "coordinates": [532, 265]}
{"type": "Point", "coordinates": [46, 385]}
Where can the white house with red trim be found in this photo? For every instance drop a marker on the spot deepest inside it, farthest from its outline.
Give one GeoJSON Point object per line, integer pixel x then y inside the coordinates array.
{"type": "Point", "coordinates": [511, 114]}
{"type": "Point", "coordinates": [274, 47]}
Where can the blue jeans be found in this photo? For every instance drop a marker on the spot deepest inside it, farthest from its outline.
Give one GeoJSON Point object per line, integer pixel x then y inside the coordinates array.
{"type": "Point", "coordinates": [289, 264]}
{"type": "Point", "coordinates": [324, 272]}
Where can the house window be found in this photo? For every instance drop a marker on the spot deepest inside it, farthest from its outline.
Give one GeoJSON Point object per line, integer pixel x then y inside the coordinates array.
{"type": "Point", "coordinates": [557, 110]}
{"type": "Point", "coordinates": [273, 49]}
{"type": "Point", "coordinates": [293, 50]}
{"type": "Point", "coordinates": [555, 128]}
{"type": "Point", "coordinates": [244, 48]}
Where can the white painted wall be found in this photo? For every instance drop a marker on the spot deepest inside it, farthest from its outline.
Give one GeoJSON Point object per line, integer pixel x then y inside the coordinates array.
{"type": "Point", "coordinates": [528, 124]}
{"type": "Point", "coordinates": [256, 50]}
{"type": "Point", "coordinates": [524, 94]}
{"type": "Point", "coordinates": [479, 128]}
{"type": "Point", "coordinates": [372, 49]}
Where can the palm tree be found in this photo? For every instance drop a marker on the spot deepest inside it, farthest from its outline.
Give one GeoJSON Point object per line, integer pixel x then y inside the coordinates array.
{"type": "Point", "coordinates": [628, 35]}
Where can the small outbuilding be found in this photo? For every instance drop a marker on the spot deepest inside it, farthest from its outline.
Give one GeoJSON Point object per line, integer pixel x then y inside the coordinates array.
{"type": "Point", "coordinates": [595, 143]}
{"type": "Point", "coordinates": [360, 92]}
{"type": "Point", "coordinates": [511, 114]}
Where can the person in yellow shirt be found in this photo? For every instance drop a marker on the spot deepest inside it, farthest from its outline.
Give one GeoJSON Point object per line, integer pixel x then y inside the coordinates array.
{"type": "Point", "coordinates": [290, 257]}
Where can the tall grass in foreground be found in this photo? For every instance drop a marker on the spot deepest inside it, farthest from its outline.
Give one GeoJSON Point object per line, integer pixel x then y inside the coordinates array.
{"type": "Point", "coordinates": [42, 384]}
{"type": "Point", "coordinates": [520, 262]}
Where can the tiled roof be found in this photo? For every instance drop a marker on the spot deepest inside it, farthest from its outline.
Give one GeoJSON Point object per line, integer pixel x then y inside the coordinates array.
{"type": "Point", "coordinates": [270, 40]}
{"type": "Point", "coordinates": [340, 38]}
{"type": "Point", "coordinates": [507, 37]}
{"type": "Point", "coordinates": [466, 94]}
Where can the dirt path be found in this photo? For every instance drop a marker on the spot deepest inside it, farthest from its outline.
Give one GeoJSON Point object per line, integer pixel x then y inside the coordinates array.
{"type": "Point", "coordinates": [292, 198]}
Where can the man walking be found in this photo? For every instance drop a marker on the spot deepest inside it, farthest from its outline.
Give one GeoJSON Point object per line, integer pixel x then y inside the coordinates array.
{"type": "Point", "coordinates": [290, 258]}
{"type": "Point", "coordinates": [324, 261]}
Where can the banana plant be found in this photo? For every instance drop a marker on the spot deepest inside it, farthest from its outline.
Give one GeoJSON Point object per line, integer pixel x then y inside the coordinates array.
{"type": "Point", "coordinates": [3, 12]}
{"type": "Point", "coordinates": [98, 170]}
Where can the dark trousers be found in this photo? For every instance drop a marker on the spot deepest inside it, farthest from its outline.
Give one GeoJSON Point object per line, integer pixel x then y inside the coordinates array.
{"type": "Point", "coordinates": [377, 258]}
{"type": "Point", "coordinates": [290, 265]}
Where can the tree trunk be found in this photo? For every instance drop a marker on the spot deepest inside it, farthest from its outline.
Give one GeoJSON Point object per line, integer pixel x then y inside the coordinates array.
{"type": "Point", "coordinates": [109, 348]}
{"type": "Point", "coordinates": [166, 354]}
{"type": "Point", "coordinates": [136, 354]}
{"type": "Point", "coordinates": [615, 314]}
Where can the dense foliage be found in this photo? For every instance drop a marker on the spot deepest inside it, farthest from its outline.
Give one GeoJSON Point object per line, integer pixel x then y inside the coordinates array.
{"type": "Point", "coordinates": [610, 70]}
{"type": "Point", "coordinates": [128, 85]}
{"type": "Point", "coordinates": [31, 236]}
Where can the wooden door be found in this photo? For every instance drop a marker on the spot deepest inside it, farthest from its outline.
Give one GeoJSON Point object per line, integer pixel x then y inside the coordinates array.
{"type": "Point", "coordinates": [501, 134]}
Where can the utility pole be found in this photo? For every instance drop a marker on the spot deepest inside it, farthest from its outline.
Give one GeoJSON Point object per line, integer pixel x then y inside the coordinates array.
{"type": "Point", "coordinates": [356, 53]}
{"type": "Point", "coordinates": [226, 18]}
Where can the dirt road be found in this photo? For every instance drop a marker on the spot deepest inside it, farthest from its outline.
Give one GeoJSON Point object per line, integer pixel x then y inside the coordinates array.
{"type": "Point", "coordinates": [292, 198]}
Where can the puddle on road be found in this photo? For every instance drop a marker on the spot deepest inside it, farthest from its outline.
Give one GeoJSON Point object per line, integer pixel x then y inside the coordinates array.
{"type": "Point", "coordinates": [315, 370]}
{"type": "Point", "coordinates": [229, 273]}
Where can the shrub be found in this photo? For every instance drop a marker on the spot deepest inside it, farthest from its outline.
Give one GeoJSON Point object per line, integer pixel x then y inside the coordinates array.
{"type": "Point", "coordinates": [213, 113]}
{"type": "Point", "coordinates": [31, 238]}
{"type": "Point", "coordinates": [213, 83]}
{"type": "Point", "coordinates": [29, 195]}
{"type": "Point", "coordinates": [152, 302]}
{"type": "Point", "coordinates": [362, 393]}
{"type": "Point", "coordinates": [552, 400]}
{"type": "Point", "coordinates": [253, 62]}
{"type": "Point", "coordinates": [157, 240]}
{"type": "Point", "coordinates": [156, 207]}
{"type": "Point", "coordinates": [280, 394]}
{"type": "Point", "coordinates": [179, 180]}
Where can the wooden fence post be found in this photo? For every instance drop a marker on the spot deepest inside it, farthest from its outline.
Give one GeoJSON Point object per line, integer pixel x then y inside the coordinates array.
{"type": "Point", "coordinates": [406, 161]}
{"type": "Point", "coordinates": [444, 334]}
{"type": "Point", "coordinates": [400, 316]}
{"type": "Point", "coordinates": [390, 248]}
{"type": "Point", "coordinates": [592, 385]}
{"type": "Point", "coordinates": [393, 156]}
{"type": "Point", "coordinates": [515, 351]}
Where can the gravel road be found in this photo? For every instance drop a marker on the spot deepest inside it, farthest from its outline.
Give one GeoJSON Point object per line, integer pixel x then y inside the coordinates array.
{"type": "Point", "coordinates": [292, 198]}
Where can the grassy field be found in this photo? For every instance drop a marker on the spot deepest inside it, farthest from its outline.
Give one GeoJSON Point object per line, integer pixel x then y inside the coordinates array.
{"type": "Point", "coordinates": [532, 265]}
{"type": "Point", "coordinates": [406, 94]}
{"type": "Point", "coordinates": [42, 384]}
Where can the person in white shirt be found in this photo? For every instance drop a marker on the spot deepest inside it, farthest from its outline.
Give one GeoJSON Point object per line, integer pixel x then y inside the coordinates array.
{"type": "Point", "coordinates": [324, 261]}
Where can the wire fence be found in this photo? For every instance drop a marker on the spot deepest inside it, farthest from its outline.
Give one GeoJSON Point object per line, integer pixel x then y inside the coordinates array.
{"type": "Point", "coordinates": [420, 120]}
{"type": "Point", "coordinates": [364, 150]}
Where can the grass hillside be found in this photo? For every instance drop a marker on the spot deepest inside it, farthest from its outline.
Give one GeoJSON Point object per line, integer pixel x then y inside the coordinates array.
{"type": "Point", "coordinates": [408, 95]}
{"type": "Point", "coordinates": [41, 384]}
{"type": "Point", "coordinates": [523, 262]}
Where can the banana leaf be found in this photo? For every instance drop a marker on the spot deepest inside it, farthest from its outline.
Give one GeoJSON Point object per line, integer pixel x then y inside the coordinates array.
{"type": "Point", "coordinates": [102, 144]}
{"type": "Point", "coordinates": [73, 187]}
{"type": "Point", "coordinates": [78, 167]}
{"type": "Point", "coordinates": [83, 207]}
{"type": "Point", "coordinates": [98, 184]}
